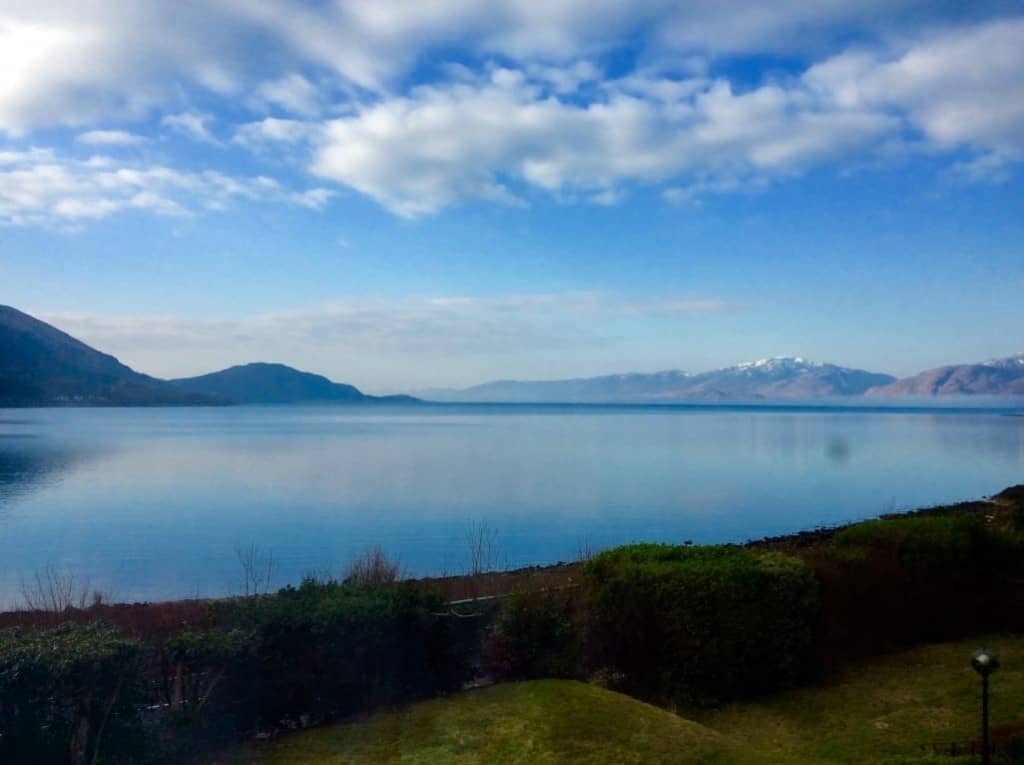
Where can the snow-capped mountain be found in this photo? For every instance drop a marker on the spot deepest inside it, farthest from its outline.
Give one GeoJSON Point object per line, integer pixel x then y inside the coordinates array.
{"type": "Point", "coordinates": [777, 363]}
{"type": "Point", "coordinates": [785, 377]}
{"type": "Point", "coordinates": [1010, 362]}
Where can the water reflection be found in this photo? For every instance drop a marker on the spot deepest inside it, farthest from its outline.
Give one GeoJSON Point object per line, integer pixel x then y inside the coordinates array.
{"type": "Point", "coordinates": [28, 465]}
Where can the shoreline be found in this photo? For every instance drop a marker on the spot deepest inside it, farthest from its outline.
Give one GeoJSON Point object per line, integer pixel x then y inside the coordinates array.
{"type": "Point", "coordinates": [994, 404]}
{"type": "Point", "coordinates": [156, 617]}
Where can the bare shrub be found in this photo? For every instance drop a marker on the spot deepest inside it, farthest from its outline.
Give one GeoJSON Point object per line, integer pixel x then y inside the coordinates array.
{"type": "Point", "coordinates": [322, 574]}
{"type": "Point", "coordinates": [481, 548]}
{"type": "Point", "coordinates": [373, 568]}
{"type": "Point", "coordinates": [586, 550]}
{"type": "Point", "coordinates": [55, 592]}
{"type": "Point", "coordinates": [257, 569]}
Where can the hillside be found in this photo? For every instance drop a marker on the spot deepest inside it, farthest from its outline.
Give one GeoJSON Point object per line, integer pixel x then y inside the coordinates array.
{"type": "Point", "coordinates": [764, 379]}
{"type": "Point", "coordinates": [42, 366]}
{"type": "Point", "coordinates": [889, 709]}
{"type": "Point", "coordinates": [546, 721]}
{"type": "Point", "coordinates": [997, 377]}
{"type": "Point", "coordinates": [262, 383]}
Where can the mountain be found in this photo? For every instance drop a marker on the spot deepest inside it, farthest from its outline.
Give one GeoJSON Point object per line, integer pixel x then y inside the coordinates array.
{"type": "Point", "coordinates": [262, 383]}
{"type": "Point", "coordinates": [767, 378]}
{"type": "Point", "coordinates": [996, 377]}
{"type": "Point", "coordinates": [42, 366]}
{"type": "Point", "coordinates": [784, 378]}
{"type": "Point", "coordinates": [609, 388]}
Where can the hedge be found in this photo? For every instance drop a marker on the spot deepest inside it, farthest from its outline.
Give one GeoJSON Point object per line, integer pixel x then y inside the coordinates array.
{"type": "Point", "coordinates": [899, 581]}
{"type": "Point", "coordinates": [535, 635]}
{"type": "Point", "coordinates": [325, 649]}
{"type": "Point", "coordinates": [67, 695]}
{"type": "Point", "coordinates": [699, 625]}
{"type": "Point", "coordinates": [86, 694]}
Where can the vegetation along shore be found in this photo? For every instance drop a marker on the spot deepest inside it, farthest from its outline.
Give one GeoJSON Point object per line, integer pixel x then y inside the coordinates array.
{"type": "Point", "coordinates": [708, 634]}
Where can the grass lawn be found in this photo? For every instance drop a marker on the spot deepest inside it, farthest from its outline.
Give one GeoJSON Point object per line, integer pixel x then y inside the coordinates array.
{"type": "Point", "coordinates": [542, 723]}
{"type": "Point", "coordinates": [876, 711]}
{"type": "Point", "coordinates": [882, 709]}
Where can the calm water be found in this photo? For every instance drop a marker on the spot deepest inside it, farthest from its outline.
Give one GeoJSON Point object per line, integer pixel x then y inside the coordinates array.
{"type": "Point", "coordinates": [151, 503]}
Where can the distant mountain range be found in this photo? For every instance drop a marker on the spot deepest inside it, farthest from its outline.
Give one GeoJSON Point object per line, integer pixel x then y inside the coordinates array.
{"type": "Point", "coordinates": [43, 366]}
{"type": "Point", "coordinates": [764, 379]}
{"type": "Point", "coordinates": [262, 383]}
{"type": "Point", "coordinates": [998, 377]}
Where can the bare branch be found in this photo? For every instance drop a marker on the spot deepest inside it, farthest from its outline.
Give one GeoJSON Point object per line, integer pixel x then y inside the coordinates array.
{"type": "Point", "coordinates": [257, 569]}
{"type": "Point", "coordinates": [54, 592]}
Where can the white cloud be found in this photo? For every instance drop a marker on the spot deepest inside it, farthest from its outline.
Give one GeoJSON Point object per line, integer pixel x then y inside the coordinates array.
{"type": "Point", "coordinates": [566, 79]}
{"type": "Point", "coordinates": [110, 138]}
{"type": "Point", "coordinates": [82, 63]}
{"type": "Point", "coordinates": [496, 135]}
{"type": "Point", "coordinates": [961, 88]}
{"type": "Point", "coordinates": [293, 93]}
{"type": "Point", "coordinates": [418, 153]}
{"type": "Point", "coordinates": [191, 124]}
{"type": "Point", "coordinates": [992, 168]}
{"type": "Point", "coordinates": [76, 63]}
{"type": "Point", "coordinates": [20, 157]}
{"type": "Point", "coordinates": [39, 188]}
{"type": "Point", "coordinates": [418, 133]}
{"type": "Point", "coordinates": [314, 199]}
{"type": "Point", "coordinates": [254, 135]}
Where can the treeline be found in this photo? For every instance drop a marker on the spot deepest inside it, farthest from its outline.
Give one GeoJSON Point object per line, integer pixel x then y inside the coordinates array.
{"type": "Point", "coordinates": [688, 625]}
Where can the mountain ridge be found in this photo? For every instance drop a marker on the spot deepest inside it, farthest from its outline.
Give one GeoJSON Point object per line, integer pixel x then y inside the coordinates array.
{"type": "Point", "coordinates": [780, 377]}
{"type": "Point", "coordinates": [41, 365]}
{"type": "Point", "coordinates": [995, 377]}
{"type": "Point", "coordinates": [264, 382]}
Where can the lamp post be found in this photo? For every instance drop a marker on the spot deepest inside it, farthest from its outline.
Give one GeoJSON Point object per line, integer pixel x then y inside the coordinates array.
{"type": "Point", "coordinates": [984, 663]}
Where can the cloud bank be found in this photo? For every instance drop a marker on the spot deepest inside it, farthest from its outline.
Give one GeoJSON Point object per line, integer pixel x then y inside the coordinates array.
{"type": "Point", "coordinates": [368, 340]}
{"type": "Point", "coordinates": [40, 187]}
{"type": "Point", "coordinates": [422, 106]}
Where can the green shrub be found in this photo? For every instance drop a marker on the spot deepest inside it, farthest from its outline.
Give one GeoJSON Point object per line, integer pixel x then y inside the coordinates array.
{"type": "Point", "coordinates": [200, 659]}
{"type": "Point", "coordinates": [962, 549]}
{"type": "Point", "coordinates": [193, 673]}
{"type": "Point", "coordinates": [703, 624]}
{"type": "Point", "coordinates": [898, 581]}
{"type": "Point", "coordinates": [326, 648]}
{"type": "Point", "coordinates": [534, 636]}
{"type": "Point", "coordinates": [924, 546]}
{"type": "Point", "coordinates": [67, 695]}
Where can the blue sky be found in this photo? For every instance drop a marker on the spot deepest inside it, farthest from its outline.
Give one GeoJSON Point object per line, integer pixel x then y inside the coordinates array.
{"type": "Point", "coordinates": [405, 195]}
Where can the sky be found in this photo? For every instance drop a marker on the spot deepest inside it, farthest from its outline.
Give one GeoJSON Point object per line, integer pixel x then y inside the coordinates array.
{"type": "Point", "coordinates": [405, 195]}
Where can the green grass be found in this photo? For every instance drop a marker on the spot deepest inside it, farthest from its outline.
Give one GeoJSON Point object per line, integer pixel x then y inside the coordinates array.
{"type": "Point", "coordinates": [882, 709]}
{"type": "Point", "coordinates": [545, 722]}
{"type": "Point", "coordinates": [877, 711]}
